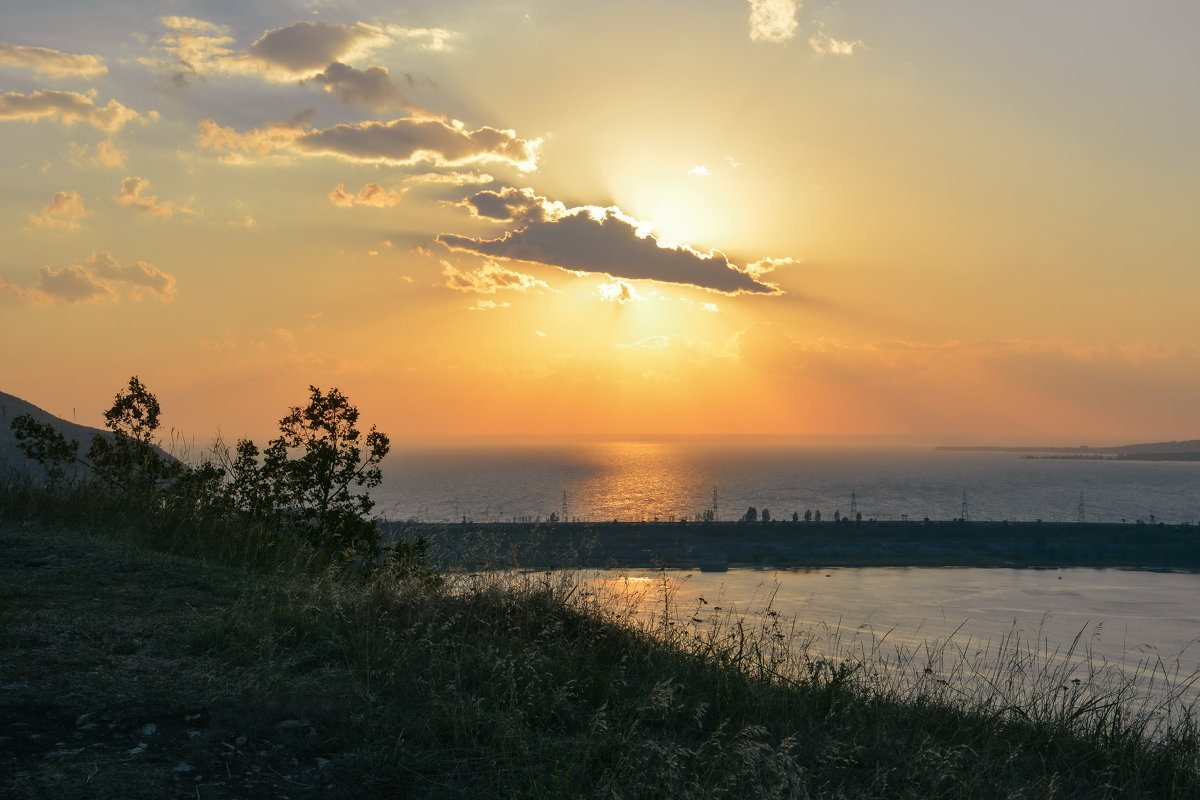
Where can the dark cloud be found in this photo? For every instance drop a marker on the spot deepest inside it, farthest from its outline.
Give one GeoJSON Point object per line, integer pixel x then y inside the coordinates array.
{"type": "Point", "coordinates": [507, 205]}
{"type": "Point", "coordinates": [411, 140]}
{"type": "Point", "coordinates": [595, 240]}
{"type": "Point", "coordinates": [372, 87]}
{"type": "Point", "coordinates": [311, 46]}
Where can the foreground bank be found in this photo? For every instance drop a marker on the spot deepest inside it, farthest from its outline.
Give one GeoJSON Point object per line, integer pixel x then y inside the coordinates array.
{"type": "Point", "coordinates": [131, 672]}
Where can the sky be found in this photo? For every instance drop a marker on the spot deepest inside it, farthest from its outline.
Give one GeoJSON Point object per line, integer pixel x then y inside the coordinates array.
{"type": "Point", "coordinates": [536, 217]}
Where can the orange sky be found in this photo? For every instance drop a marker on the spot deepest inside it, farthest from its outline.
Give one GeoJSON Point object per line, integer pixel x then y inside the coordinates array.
{"type": "Point", "coordinates": [561, 218]}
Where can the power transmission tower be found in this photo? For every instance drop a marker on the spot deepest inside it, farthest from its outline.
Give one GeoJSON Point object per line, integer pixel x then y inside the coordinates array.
{"type": "Point", "coordinates": [964, 516]}
{"type": "Point", "coordinates": [853, 503]}
{"type": "Point", "coordinates": [716, 513]}
{"type": "Point", "coordinates": [565, 518]}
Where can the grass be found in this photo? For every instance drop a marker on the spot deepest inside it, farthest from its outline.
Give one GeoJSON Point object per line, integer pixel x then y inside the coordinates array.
{"type": "Point", "coordinates": [266, 676]}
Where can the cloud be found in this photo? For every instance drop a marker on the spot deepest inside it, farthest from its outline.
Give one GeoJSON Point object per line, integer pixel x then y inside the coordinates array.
{"type": "Point", "coordinates": [773, 20]}
{"type": "Point", "coordinates": [595, 240]}
{"type": "Point", "coordinates": [617, 292]}
{"type": "Point", "coordinates": [489, 278]}
{"type": "Point", "coordinates": [413, 140]}
{"type": "Point", "coordinates": [511, 205]}
{"type": "Point", "coordinates": [70, 107]}
{"type": "Point", "coordinates": [140, 275]}
{"type": "Point", "coordinates": [131, 195]}
{"type": "Point", "coordinates": [106, 154]}
{"type": "Point", "coordinates": [257, 141]}
{"type": "Point", "coordinates": [451, 178]}
{"type": "Point", "coordinates": [400, 142]}
{"type": "Point", "coordinates": [51, 63]}
{"type": "Point", "coordinates": [435, 39]}
{"type": "Point", "coordinates": [488, 305]}
{"type": "Point", "coordinates": [97, 280]}
{"type": "Point", "coordinates": [308, 47]}
{"type": "Point", "coordinates": [62, 211]}
{"type": "Point", "coordinates": [283, 54]}
{"type": "Point", "coordinates": [371, 194]}
{"type": "Point", "coordinates": [821, 42]}
{"type": "Point", "coordinates": [372, 87]}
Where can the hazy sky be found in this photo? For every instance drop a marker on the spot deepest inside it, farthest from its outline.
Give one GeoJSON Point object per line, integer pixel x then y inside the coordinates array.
{"type": "Point", "coordinates": [730, 216]}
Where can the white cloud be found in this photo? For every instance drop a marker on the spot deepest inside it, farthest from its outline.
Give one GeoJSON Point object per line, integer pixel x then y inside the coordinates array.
{"type": "Point", "coordinates": [437, 39]}
{"type": "Point", "coordinates": [617, 292]}
{"type": "Point", "coordinates": [773, 20]}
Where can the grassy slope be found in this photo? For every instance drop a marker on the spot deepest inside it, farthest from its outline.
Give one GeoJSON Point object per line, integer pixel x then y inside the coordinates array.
{"type": "Point", "coordinates": [270, 686]}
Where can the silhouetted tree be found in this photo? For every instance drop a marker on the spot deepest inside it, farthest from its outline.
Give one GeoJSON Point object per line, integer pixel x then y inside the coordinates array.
{"type": "Point", "coordinates": [808, 515]}
{"type": "Point", "coordinates": [795, 516]}
{"type": "Point", "coordinates": [766, 515]}
{"type": "Point", "coordinates": [817, 516]}
{"type": "Point", "coordinates": [751, 515]}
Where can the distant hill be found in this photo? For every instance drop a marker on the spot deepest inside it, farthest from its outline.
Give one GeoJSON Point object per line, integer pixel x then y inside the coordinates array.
{"type": "Point", "coordinates": [1187, 450]}
{"type": "Point", "coordinates": [11, 456]}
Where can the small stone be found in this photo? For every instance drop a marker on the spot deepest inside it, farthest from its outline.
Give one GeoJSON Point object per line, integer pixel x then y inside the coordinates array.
{"type": "Point", "coordinates": [137, 751]}
{"type": "Point", "coordinates": [191, 718]}
{"type": "Point", "coordinates": [61, 752]}
{"type": "Point", "coordinates": [240, 741]}
{"type": "Point", "coordinates": [288, 724]}
{"type": "Point", "coordinates": [149, 729]}
{"type": "Point", "coordinates": [82, 719]}
{"type": "Point", "coordinates": [323, 763]}
{"type": "Point", "coordinates": [193, 733]}
{"type": "Point", "coordinates": [182, 767]}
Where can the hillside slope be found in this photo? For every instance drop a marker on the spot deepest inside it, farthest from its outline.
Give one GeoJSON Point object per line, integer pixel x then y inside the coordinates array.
{"type": "Point", "coordinates": [11, 456]}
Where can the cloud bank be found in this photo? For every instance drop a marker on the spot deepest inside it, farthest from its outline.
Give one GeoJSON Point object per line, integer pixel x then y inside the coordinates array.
{"type": "Point", "coordinates": [68, 107]}
{"type": "Point", "coordinates": [51, 63]}
{"type": "Point", "coordinates": [595, 240]}
{"type": "Point", "coordinates": [97, 280]}
{"type": "Point", "coordinates": [400, 142]}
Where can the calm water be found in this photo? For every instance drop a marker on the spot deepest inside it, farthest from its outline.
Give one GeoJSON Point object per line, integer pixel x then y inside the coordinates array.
{"type": "Point", "coordinates": [648, 480]}
{"type": "Point", "coordinates": [1137, 620]}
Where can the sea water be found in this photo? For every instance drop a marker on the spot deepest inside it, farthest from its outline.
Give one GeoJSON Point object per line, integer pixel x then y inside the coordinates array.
{"type": "Point", "coordinates": [673, 479]}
